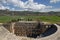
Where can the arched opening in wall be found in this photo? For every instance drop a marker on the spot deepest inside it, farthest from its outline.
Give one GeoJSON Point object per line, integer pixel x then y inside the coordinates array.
{"type": "Point", "coordinates": [38, 33]}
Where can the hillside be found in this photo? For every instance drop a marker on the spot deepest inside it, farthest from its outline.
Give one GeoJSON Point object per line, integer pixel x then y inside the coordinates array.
{"type": "Point", "coordinates": [24, 13]}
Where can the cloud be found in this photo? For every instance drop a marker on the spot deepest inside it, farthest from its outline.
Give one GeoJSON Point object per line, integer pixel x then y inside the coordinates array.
{"type": "Point", "coordinates": [28, 5]}
{"type": "Point", "coordinates": [56, 9]}
{"type": "Point", "coordinates": [48, 10]}
{"type": "Point", "coordinates": [2, 1]}
{"type": "Point", "coordinates": [54, 1]}
{"type": "Point", "coordinates": [3, 7]}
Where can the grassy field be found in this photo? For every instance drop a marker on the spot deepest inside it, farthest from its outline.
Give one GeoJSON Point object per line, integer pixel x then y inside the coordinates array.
{"type": "Point", "coordinates": [52, 19]}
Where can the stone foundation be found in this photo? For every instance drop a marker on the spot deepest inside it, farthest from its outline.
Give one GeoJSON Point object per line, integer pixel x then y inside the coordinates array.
{"type": "Point", "coordinates": [27, 28]}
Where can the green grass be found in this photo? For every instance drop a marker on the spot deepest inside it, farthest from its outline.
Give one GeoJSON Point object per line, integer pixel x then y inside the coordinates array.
{"type": "Point", "coordinates": [53, 19]}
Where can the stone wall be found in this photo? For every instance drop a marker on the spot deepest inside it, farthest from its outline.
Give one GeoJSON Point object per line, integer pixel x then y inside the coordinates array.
{"type": "Point", "coordinates": [8, 26]}
{"type": "Point", "coordinates": [26, 28]}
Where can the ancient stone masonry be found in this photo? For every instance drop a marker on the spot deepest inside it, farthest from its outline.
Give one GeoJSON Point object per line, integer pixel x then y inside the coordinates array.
{"type": "Point", "coordinates": [26, 28]}
{"type": "Point", "coordinates": [8, 26]}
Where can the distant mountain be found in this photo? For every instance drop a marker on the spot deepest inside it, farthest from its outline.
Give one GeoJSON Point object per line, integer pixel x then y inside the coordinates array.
{"type": "Point", "coordinates": [27, 13]}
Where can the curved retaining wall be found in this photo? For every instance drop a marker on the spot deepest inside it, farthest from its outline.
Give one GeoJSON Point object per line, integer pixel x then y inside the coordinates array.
{"type": "Point", "coordinates": [55, 36]}
{"type": "Point", "coordinates": [26, 28]}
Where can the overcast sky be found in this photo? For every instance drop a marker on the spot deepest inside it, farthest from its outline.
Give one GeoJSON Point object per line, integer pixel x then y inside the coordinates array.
{"type": "Point", "coordinates": [30, 5]}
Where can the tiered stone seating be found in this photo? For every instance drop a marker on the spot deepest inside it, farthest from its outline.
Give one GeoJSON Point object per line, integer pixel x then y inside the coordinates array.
{"type": "Point", "coordinates": [26, 28]}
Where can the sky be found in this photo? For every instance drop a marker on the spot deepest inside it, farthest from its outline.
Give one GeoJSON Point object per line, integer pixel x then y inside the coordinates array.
{"type": "Point", "coordinates": [30, 5]}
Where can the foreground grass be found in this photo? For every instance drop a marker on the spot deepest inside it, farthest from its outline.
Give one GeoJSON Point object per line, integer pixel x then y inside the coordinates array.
{"type": "Point", "coordinates": [52, 19]}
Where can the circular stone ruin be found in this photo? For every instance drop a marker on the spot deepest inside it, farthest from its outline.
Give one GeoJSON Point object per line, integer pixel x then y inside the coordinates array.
{"type": "Point", "coordinates": [31, 29]}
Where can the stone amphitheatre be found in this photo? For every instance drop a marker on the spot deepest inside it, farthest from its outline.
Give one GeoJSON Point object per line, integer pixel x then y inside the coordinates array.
{"type": "Point", "coordinates": [29, 30]}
